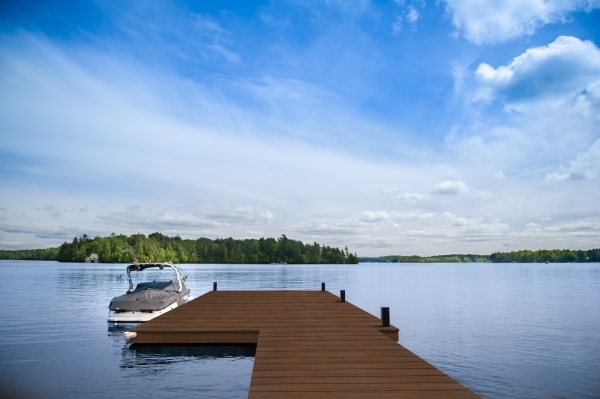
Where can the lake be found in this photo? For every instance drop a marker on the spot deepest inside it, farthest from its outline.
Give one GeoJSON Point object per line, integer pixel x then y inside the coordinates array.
{"type": "Point", "coordinates": [503, 330]}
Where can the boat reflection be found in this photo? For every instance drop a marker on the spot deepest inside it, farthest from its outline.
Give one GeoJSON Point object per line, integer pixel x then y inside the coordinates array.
{"type": "Point", "coordinates": [149, 357]}
{"type": "Point", "coordinates": [136, 355]}
{"type": "Point", "coordinates": [198, 351]}
{"type": "Point", "coordinates": [117, 330]}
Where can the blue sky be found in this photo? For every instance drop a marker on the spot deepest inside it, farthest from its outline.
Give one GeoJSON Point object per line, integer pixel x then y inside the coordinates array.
{"type": "Point", "coordinates": [398, 127]}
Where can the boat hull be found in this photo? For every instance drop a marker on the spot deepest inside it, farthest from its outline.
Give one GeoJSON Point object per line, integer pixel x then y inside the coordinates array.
{"type": "Point", "coordinates": [140, 317]}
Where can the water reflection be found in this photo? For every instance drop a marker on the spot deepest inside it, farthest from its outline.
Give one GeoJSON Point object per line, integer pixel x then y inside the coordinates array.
{"type": "Point", "coordinates": [163, 353]}
{"type": "Point", "coordinates": [513, 330]}
{"type": "Point", "coordinates": [117, 330]}
{"type": "Point", "coordinates": [145, 355]}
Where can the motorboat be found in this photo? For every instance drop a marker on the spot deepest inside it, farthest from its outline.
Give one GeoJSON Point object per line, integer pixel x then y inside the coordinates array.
{"type": "Point", "coordinates": [149, 299]}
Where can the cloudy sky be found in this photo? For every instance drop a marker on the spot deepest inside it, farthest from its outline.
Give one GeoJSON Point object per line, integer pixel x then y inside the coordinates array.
{"type": "Point", "coordinates": [392, 127]}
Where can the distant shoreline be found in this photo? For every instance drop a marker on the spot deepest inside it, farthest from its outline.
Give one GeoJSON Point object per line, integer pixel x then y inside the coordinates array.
{"type": "Point", "coordinates": [525, 256]}
{"type": "Point", "coordinates": [157, 247]}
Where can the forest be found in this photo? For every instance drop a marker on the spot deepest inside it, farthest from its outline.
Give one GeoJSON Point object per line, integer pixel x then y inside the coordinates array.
{"type": "Point", "coordinates": [525, 256]}
{"type": "Point", "coordinates": [158, 247]}
{"type": "Point", "coordinates": [543, 255]}
{"type": "Point", "coordinates": [29, 254]}
{"type": "Point", "coordinates": [427, 259]}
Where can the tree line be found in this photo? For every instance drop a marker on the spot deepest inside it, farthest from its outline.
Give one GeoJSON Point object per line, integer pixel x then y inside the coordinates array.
{"type": "Point", "coordinates": [550, 256]}
{"type": "Point", "coordinates": [158, 247]}
{"type": "Point", "coordinates": [525, 256]}
{"type": "Point", "coordinates": [29, 254]}
{"type": "Point", "coordinates": [427, 259]}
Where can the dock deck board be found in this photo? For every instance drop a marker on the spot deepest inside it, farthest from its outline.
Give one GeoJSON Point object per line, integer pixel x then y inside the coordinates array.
{"type": "Point", "coordinates": [309, 345]}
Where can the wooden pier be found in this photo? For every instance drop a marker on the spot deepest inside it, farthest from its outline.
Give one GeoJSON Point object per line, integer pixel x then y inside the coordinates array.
{"type": "Point", "coordinates": [310, 344]}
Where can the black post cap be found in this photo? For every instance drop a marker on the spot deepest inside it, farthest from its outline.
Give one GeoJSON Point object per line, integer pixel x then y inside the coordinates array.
{"type": "Point", "coordinates": [322, 286]}
{"type": "Point", "coordinates": [342, 295]}
{"type": "Point", "coordinates": [215, 286]}
{"type": "Point", "coordinates": [385, 317]}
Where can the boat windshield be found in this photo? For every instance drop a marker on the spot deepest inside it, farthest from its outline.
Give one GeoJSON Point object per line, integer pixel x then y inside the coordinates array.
{"type": "Point", "coordinates": [152, 274]}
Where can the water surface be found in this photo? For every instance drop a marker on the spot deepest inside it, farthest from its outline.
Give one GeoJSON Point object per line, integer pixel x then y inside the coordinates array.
{"type": "Point", "coordinates": [503, 330]}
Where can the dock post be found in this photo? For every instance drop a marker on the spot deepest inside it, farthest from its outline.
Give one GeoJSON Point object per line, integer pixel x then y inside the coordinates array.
{"type": "Point", "coordinates": [385, 317]}
{"type": "Point", "coordinates": [215, 286]}
{"type": "Point", "coordinates": [322, 286]}
{"type": "Point", "coordinates": [342, 295]}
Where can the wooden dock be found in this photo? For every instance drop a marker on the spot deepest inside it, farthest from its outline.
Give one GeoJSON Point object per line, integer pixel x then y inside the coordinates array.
{"type": "Point", "coordinates": [309, 345]}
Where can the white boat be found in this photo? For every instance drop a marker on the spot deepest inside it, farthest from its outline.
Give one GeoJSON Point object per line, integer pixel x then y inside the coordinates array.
{"type": "Point", "coordinates": [149, 299]}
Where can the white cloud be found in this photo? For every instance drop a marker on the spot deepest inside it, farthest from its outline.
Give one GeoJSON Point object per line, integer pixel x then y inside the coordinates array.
{"type": "Point", "coordinates": [229, 55]}
{"type": "Point", "coordinates": [451, 187]}
{"type": "Point", "coordinates": [21, 245]}
{"type": "Point", "coordinates": [582, 229]}
{"type": "Point", "coordinates": [458, 188]}
{"type": "Point", "coordinates": [412, 16]}
{"type": "Point", "coordinates": [381, 229]}
{"type": "Point", "coordinates": [492, 21]}
{"type": "Point", "coordinates": [231, 214]}
{"type": "Point", "coordinates": [369, 242]}
{"type": "Point", "coordinates": [452, 174]}
{"type": "Point", "coordinates": [499, 176]}
{"type": "Point", "coordinates": [329, 227]}
{"type": "Point", "coordinates": [377, 216]}
{"type": "Point", "coordinates": [193, 217]}
{"type": "Point", "coordinates": [10, 243]}
{"type": "Point", "coordinates": [586, 166]}
{"type": "Point", "coordinates": [586, 231]}
{"type": "Point", "coordinates": [588, 102]}
{"type": "Point", "coordinates": [353, 8]}
{"type": "Point", "coordinates": [448, 227]}
{"type": "Point", "coordinates": [413, 215]}
{"type": "Point", "coordinates": [444, 188]}
{"type": "Point", "coordinates": [59, 232]}
{"type": "Point", "coordinates": [179, 33]}
{"type": "Point", "coordinates": [214, 38]}
{"type": "Point", "coordinates": [52, 210]}
{"type": "Point", "coordinates": [151, 220]}
{"type": "Point", "coordinates": [548, 74]}
{"type": "Point", "coordinates": [397, 195]}
{"type": "Point", "coordinates": [397, 26]}
{"type": "Point", "coordinates": [475, 229]}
